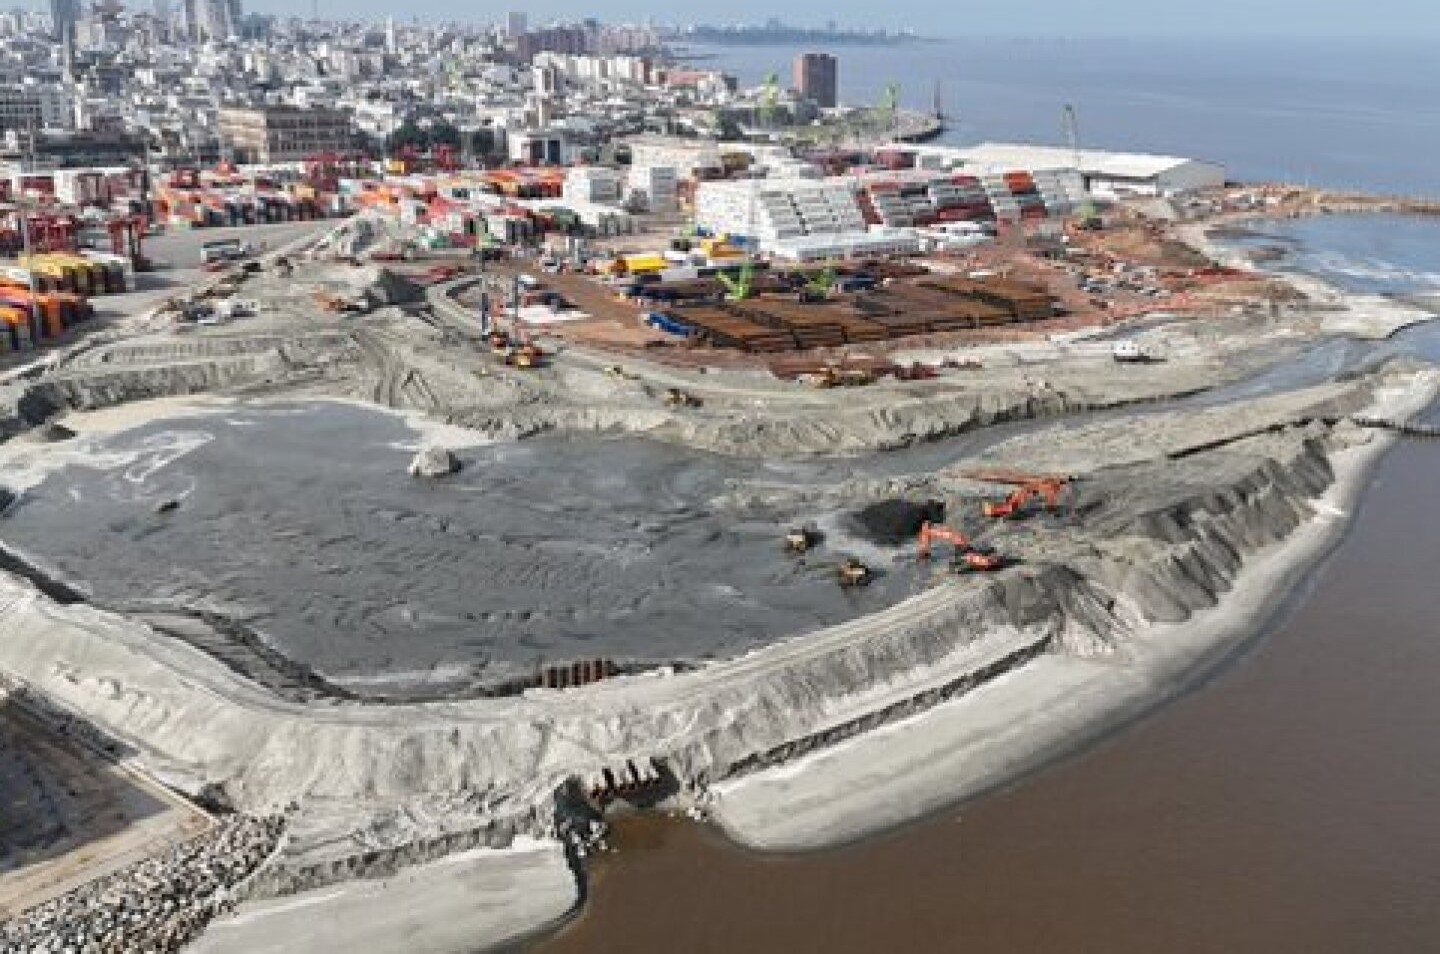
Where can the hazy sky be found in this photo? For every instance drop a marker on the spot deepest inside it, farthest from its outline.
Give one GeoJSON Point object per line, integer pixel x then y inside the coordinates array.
{"type": "Point", "coordinates": [1399, 18]}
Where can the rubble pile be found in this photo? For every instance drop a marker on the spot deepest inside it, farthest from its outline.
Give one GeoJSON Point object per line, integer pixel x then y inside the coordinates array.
{"type": "Point", "coordinates": [159, 904]}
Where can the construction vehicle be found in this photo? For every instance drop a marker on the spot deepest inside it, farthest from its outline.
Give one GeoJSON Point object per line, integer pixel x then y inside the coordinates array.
{"type": "Point", "coordinates": [1130, 351]}
{"type": "Point", "coordinates": [524, 357]}
{"type": "Point", "coordinates": [679, 397]}
{"type": "Point", "coordinates": [498, 341]}
{"type": "Point", "coordinates": [966, 557]}
{"type": "Point", "coordinates": [1047, 489]}
{"type": "Point", "coordinates": [523, 353]}
{"type": "Point", "coordinates": [833, 377]}
{"type": "Point", "coordinates": [802, 539]}
{"type": "Point", "coordinates": [341, 305]}
{"type": "Point", "coordinates": [225, 250]}
{"type": "Point", "coordinates": [851, 573]}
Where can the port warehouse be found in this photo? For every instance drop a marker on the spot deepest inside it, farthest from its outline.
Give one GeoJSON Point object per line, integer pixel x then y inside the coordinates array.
{"type": "Point", "coordinates": [1108, 174]}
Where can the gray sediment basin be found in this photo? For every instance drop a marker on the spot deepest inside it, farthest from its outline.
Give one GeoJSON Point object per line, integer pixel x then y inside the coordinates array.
{"type": "Point", "coordinates": [297, 528]}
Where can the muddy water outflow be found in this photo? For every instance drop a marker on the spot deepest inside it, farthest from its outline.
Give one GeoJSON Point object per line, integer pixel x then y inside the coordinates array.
{"type": "Point", "coordinates": [295, 534]}
{"type": "Point", "coordinates": [1287, 805]}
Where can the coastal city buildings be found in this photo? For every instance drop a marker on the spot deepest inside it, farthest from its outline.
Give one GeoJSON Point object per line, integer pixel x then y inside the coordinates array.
{"type": "Point", "coordinates": [284, 133]}
{"type": "Point", "coordinates": [164, 72]}
{"type": "Point", "coordinates": [20, 108]}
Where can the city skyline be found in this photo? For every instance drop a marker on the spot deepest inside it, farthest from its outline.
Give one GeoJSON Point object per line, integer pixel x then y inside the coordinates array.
{"type": "Point", "coordinates": [1395, 19]}
{"type": "Point", "coordinates": [1046, 18]}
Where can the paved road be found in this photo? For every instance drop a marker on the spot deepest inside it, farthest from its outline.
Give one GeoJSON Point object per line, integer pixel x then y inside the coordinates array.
{"type": "Point", "coordinates": [180, 248]}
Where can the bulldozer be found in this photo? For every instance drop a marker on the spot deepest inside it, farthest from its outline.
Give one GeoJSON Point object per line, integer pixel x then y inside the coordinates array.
{"type": "Point", "coordinates": [341, 305]}
{"type": "Point", "coordinates": [851, 573]}
{"type": "Point", "coordinates": [802, 539]}
{"type": "Point", "coordinates": [1047, 489]}
{"type": "Point", "coordinates": [833, 377]}
{"type": "Point", "coordinates": [966, 557]}
{"type": "Point", "coordinates": [499, 342]}
{"type": "Point", "coordinates": [679, 397]}
{"type": "Point", "coordinates": [526, 356]}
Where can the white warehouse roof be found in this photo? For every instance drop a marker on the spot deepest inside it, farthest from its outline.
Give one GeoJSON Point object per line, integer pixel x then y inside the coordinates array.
{"type": "Point", "coordinates": [1170, 172]}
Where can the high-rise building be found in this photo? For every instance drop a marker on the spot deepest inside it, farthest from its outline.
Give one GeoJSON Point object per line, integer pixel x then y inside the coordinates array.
{"type": "Point", "coordinates": [190, 19]}
{"type": "Point", "coordinates": [213, 19]}
{"type": "Point", "coordinates": [515, 24]}
{"type": "Point", "coordinates": [817, 78]}
{"type": "Point", "coordinates": [64, 18]}
{"type": "Point", "coordinates": [571, 40]}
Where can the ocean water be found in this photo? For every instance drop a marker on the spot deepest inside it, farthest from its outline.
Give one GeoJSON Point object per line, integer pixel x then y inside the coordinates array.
{"type": "Point", "coordinates": [1374, 255]}
{"type": "Point", "coordinates": [1340, 114]}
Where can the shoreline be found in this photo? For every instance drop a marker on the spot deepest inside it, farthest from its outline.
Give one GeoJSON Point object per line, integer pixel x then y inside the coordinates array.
{"type": "Point", "coordinates": [1016, 724]}
{"type": "Point", "coordinates": [1366, 317]}
{"type": "Point", "coordinates": [493, 898]}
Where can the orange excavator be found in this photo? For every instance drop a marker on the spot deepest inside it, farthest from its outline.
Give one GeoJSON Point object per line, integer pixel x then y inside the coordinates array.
{"type": "Point", "coordinates": [1047, 489]}
{"type": "Point", "coordinates": [966, 556]}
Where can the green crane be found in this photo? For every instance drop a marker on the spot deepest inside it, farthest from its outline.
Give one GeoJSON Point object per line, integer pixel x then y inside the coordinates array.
{"type": "Point", "coordinates": [742, 286]}
{"type": "Point", "coordinates": [890, 108]}
{"type": "Point", "coordinates": [769, 98]}
{"type": "Point", "coordinates": [820, 284]}
{"type": "Point", "coordinates": [1087, 215]}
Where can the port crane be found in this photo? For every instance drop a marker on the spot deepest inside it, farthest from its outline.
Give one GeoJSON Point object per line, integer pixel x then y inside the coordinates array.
{"type": "Point", "coordinates": [742, 286]}
{"type": "Point", "coordinates": [890, 109]}
{"type": "Point", "coordinates": [1087, 215]}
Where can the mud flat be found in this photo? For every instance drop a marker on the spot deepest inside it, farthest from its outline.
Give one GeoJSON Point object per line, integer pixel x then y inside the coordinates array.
{"type": "Point", "coordinates": [297, 524]}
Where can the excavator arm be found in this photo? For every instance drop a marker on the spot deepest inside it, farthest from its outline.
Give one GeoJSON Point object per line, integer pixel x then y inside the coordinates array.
{"type": "Point", "coordinates": [965, 553]}
{"type": "Point", "coordinates": [1047, 488]}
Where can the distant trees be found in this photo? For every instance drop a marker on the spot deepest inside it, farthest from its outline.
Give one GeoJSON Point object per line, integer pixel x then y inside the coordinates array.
{"type": "Point", "coordinates": [423, 138]}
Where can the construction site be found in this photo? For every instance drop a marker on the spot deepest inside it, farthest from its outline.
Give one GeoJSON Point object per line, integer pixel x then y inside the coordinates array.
{"type": "Point", "coordinates": [366, 561]}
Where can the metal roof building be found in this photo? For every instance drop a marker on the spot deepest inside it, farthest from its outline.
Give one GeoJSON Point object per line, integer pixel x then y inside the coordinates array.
{"type": "Point", "coordinates": [1105, 173]}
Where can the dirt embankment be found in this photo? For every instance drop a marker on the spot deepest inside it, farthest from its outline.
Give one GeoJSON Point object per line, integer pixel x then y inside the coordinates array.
{"type": "Point", "coordinates": [408, 364]}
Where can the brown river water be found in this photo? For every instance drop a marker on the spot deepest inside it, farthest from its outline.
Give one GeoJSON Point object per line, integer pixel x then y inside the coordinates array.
{"type": "Point", "coordinates": [1289, 804]}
